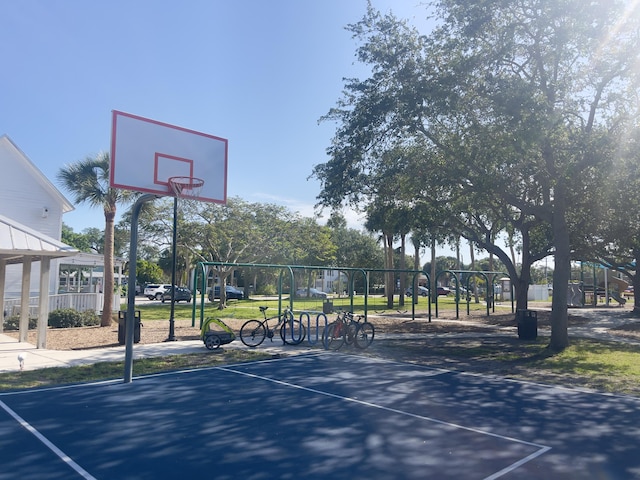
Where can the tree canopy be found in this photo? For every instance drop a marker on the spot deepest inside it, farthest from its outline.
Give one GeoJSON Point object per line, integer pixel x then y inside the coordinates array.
{"type": "Point", "coordinates": [516, 108]}
{"type": "Point", "coordinates": [88, 181]}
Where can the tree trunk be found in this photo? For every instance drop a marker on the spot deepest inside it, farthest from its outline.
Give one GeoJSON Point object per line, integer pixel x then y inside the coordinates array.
{"type": "Point", "coordinates": [416, 267]}
{"type": "Point", "coordinates": [223, 294]}
{"type": "Point", "coordinates": [403, 266]}
{"type": "Point", "coordinates": [107, 277]}
{"type": "Point", "coordinates": [635, 281]}
{"type": "Point", "coordinates": [223, 275]}
{"type": "Point", "coordinates": [521, 286]}
{"type": "Point", "coordinates": [472, 284]}
{"type": "Point", "coordinates": [561, 273]}
{"type": "Point", "coordinates": [636, 296]}
{"type": "Point", "coordinates": [523, 280]}
{"type": "Point", "coordinates": [434, 289]}
{"type": "Point", "coordinates": [389, 275]}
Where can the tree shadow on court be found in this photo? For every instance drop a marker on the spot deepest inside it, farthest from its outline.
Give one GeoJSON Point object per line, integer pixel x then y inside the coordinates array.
{"type": "Point", "coordinates": [333, 416]}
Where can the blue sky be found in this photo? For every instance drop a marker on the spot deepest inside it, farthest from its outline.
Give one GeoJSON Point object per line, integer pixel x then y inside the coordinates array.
{"type": "Point", "coordinates": [259, 73]}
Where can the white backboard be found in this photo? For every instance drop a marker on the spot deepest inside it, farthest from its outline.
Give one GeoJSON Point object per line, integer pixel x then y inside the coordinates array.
{"type": "Point", "coordinates": [146, 153]}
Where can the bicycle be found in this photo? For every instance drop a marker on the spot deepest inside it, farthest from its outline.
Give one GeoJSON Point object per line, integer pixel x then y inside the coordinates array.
{"type": "Point", "coordinates": [254, 332]}
{"type": "Point", "coordinates": [348, 329]}
{"type": "Point", "coordinates": [333, 336]}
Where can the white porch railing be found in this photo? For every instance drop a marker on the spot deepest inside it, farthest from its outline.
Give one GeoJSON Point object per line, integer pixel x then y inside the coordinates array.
{"type": "Point", "coordinates": [77, 301]}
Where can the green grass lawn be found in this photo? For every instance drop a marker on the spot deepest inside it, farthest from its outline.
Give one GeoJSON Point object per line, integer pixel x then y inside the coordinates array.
{"type": "Point", "coordinates": [247, 309]}
{"type": "Point", "coordinates": [48, 377]}
{"type": "Point", "coordinates": [612, 367]}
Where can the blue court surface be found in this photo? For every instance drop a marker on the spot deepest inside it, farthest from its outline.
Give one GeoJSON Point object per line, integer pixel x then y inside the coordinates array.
{"type": "Point", "coordinates": [316, 417]}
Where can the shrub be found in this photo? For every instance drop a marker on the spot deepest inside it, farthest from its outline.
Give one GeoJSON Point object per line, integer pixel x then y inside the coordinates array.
{"type": "Point", "coordinates": [13, 323]}
{"type": "Point", "coordinates": [68, 317]}
{"type": "Point", "coordinates": [90, 318]}
{"type": "Point", "coordinates": [65, 318]}
{"type": "Point", "coordinates": [266, 290]}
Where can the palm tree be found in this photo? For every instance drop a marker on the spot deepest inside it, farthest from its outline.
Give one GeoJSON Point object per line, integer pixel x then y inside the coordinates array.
{"type": "Point", "coordinates": [88, 181]}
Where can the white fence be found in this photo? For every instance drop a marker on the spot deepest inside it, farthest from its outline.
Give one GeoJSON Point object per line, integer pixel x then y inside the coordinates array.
{"type": "Point", "coordinates": [539, 293]}
{"type": "Point", "coordinates": [77, 301]}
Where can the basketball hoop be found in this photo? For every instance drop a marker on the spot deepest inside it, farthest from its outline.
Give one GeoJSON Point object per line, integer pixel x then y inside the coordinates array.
{"type": "Point", "coordinates": [186, 187]}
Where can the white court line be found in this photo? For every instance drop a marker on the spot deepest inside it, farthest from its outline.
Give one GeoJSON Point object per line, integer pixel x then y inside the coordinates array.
{"type": "Point", "coordinates": [63, 456]}
{"type": "Point", "coordinates": [542, 448]}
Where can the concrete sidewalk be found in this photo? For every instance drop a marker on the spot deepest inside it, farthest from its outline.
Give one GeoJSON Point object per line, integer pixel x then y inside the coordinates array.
{"type": "Point", "coordinates": [35, 358]}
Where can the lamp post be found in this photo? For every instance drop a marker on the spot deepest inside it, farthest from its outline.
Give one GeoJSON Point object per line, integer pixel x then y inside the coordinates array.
{"type": "Point", "coordinates": [174, 254]}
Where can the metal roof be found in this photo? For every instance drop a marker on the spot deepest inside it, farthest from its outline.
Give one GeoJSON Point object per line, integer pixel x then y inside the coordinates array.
{"type": "Point", "coordinates": [18, 241]}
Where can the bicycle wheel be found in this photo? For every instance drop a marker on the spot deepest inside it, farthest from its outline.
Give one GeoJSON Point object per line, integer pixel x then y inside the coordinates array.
{"type": "Point", "coordinates": [333, 336]}
{"type": "Point", "coordinates": [350, 333]}
{"type": "Point", "coordinates": [253, 333]}
{"type": "Point", "coordinates": [292, 332]}
{"type": "Point", "coordinates": [364, 335]}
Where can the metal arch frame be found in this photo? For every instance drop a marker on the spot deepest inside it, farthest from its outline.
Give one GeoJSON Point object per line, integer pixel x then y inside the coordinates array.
{"type": "Point", "coordinates": [199, 280]}
{"type": "Point", "coordinates": [199, 283]}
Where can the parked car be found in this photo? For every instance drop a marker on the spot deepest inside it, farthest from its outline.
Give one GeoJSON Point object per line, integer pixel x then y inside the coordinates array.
{"type": "Point", "coordinates": [231, 293]}
{"type": "Point", "coordinates": [313, 293]}
{"type": "Point", "coordinates": [154, 291]}
{"type": "Point", "coordinates": [424, 291]}
{"type": "Point", "coordinates": [138, 288]}
{"type": "Point", "coordinates": [182, 294]}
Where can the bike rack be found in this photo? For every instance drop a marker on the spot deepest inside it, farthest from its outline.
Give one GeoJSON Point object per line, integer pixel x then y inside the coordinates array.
{"type": "Point", "coordinates": [318, 335]}
{"type": "Point", "coordinates": [306, 317]}
{"type": "Point", "coordinates": [295, 339]}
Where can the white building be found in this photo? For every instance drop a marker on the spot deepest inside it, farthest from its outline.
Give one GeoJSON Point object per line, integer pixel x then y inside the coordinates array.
{"type": "Point", "coordinates": [31, 210]}
{"type": "Point", "coordinates": [29, 199]}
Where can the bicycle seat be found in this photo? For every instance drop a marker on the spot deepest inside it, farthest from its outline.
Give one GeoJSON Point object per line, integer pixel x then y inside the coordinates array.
{"type": "Point", "coordinates": [263, 309]}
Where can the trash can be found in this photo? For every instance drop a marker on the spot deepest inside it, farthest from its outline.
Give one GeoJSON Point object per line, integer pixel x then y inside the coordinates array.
{"type": "Point", "coordinates": [327, 307]}
{"type": "Point", "coordinates": [527, 321]}
{"type": "Point", "coordinates": [122, 327]}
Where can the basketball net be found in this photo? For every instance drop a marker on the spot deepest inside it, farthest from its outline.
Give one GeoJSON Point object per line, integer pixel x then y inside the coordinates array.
{"type": "Point", "coordinates": [186, 187]}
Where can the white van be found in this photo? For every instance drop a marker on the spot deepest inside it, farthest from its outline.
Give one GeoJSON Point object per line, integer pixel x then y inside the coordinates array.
{"type": "Point", "coordinates": [154, 291]}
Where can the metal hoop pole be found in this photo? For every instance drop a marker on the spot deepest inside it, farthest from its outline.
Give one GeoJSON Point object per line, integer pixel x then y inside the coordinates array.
{"type": "Point", "coordinates": [131, 290]}
{"type": "Point", "coordinates": [174, 254]}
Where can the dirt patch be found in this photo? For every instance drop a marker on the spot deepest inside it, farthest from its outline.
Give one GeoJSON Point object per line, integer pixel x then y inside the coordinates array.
{"type": "Point", "coordinates": [157, 331]}
{"type": "Point", "coordinates": [82, 338]}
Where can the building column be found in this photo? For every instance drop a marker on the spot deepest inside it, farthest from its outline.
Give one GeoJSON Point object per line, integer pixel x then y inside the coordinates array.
{"type": "Point", "coordinates": [24, 299]}
{"type": "Point", "coordinates": [3, 272]}
{"type": "Point", "coordinates": [43, 302]}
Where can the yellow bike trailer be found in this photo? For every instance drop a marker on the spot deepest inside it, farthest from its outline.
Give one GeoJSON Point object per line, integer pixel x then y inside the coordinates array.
{"type": "Point", "coordinates": [215, 333]}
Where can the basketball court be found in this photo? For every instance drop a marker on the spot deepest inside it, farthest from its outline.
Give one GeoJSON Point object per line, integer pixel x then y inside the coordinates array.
{"type": "Point", "coordinates": [318, 416]}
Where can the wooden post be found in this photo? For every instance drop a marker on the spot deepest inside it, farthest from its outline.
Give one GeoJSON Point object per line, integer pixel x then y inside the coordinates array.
{"type": "Point", "coordinates": [43, 302]}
